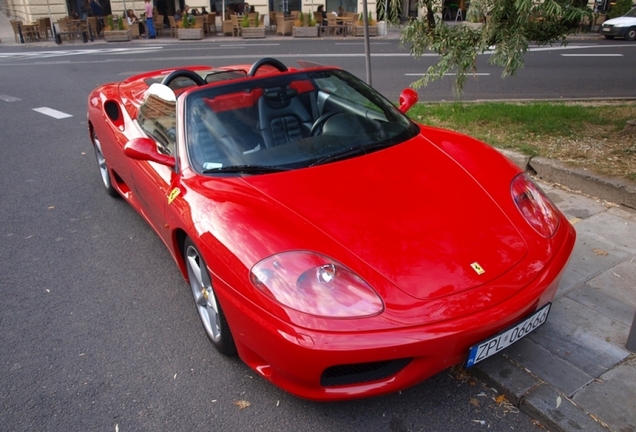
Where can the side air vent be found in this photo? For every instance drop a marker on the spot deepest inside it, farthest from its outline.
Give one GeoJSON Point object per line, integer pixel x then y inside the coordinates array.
{"type": "Point", "coordinates": [112, 110]}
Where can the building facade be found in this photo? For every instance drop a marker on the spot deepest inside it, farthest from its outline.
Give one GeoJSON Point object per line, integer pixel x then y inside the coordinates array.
{"type": "Point", "coordinates": [31, 10]}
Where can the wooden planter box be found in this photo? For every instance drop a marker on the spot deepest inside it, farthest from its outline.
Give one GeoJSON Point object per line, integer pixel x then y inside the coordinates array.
{"type": "Point", "coordinates": [358, 30]}
{"type": "Point", "coordinates": [253, 32]}
{"type": "Point", "coordinates": [117, 35]}
{"type": "Point", "coordinates": [189, 33]}
{"type": "Point", "coordinates": [300, 32]}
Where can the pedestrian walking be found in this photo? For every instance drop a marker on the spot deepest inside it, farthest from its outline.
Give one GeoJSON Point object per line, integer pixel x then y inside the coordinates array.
{"type": "Point", "coordinates": [150, 26]}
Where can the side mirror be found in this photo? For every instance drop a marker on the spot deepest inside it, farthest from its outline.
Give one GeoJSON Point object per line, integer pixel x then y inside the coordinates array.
{"type": "Point", "coordinates": [408, 98]}
{"type": "Point", "coordinates": [145, 149]}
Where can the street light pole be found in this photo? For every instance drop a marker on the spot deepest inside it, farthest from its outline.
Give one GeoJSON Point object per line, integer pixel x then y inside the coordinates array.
{"type": "Point", "coordinates": [367, 52]}
{"type": "Point", "coordinates": [54, 34]}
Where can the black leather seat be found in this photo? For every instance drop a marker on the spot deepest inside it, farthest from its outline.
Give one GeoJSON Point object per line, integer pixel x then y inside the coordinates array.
{"type": "Point", "coordinates": [282, 116]}
{"type": "Point", "coordinates": [208, 140]}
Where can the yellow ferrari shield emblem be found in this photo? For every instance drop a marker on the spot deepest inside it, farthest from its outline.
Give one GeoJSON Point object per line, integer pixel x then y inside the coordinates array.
{"type": "Point", "coordinates": [478, 269]}
{"type": "Point", "coordinates": [173, 194]}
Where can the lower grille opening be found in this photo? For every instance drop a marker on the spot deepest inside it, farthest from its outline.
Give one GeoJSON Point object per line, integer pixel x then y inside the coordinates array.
{"type": "Point", "coordinates": [361, 372]}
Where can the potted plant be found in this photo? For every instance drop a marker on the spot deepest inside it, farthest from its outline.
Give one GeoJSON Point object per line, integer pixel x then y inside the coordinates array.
{"type": "Point", "coordinates": [252, 32]}
{"type": "Point", "coordinates": [306, 28]}
{"type": "Point", "coordinates": [116, 32]}
{"type": "Point", "coordinates": [188, 31]}
{"type": "Point", "coordinates": [300, 20]}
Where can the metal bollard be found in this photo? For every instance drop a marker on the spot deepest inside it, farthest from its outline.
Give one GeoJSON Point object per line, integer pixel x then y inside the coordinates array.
{"type": "Point", "coordinates": [57, 37]}
{"type": "Point", "coordinates": [631, 339]}
{"type": "Point", "coordinates": [20, 33]}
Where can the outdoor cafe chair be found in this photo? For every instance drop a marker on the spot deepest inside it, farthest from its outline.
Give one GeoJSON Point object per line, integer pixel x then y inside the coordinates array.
{"type": "Point", "coordinates": [158, 22]}
{"type": "Point", "coordinates": [284, 26]}
{"type": "Point", "coordinates": [236, 26]}
{"type": "Point", "coordinates": [173, 26]}
{"type": "Point", "coordinates": [211, 23]}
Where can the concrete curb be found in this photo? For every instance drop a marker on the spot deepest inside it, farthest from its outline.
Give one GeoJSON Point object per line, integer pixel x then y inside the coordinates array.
{"type": "Point", "coordinates": [535, 398]}
{"type": "Point", "coordinates": [615, 190]}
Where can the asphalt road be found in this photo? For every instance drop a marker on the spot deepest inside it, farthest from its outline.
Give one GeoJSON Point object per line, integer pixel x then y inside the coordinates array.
{"type": "Point", "coordinates": [98, 329]}
{"type": "Point", "coordinates": [583, 69]}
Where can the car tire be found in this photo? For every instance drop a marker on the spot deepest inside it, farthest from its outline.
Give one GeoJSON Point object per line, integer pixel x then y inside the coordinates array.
{"type": "Point", "coordinates": [104, 172]}
{"type": "Point", "coordinates": [208, 306]}
{"type": "Point", "coordinates": [608, 37]}
{"type": "Point", "coordinates": [630, 35]}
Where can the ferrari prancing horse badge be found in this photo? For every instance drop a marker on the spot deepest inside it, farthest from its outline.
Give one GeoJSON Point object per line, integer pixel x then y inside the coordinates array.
{"type": "Point", "coordinates": [173, 194]}
{"type": "Point", "coordinates": [478, 269]}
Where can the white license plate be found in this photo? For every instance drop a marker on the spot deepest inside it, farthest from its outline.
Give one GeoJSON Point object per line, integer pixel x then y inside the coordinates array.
{"type": "Point", "coordinates": [506, 338]}
{"type": "Point", "coordinates": [606, 28]}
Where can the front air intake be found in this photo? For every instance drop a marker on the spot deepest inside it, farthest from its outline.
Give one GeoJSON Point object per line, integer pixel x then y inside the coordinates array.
{"type": "Point", "coordinates": [361, 372]}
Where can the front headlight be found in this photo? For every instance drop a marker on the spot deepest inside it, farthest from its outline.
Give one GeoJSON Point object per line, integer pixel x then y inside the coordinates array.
{"type": "Point", "coordinates": [535, 206]}
{"type": "Point", "coordinates": [315, 284]}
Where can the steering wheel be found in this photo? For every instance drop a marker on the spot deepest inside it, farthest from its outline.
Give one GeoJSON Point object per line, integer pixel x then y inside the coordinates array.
{"type": "Point", "coordinates": [183, 73]}
{"type": "Point", "coordinates": [316, 128]}
{"type": "Point", "coordinates": [266, 61]}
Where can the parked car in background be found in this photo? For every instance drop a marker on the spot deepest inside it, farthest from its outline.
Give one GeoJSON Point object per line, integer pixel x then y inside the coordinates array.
{"type": "Point", "coordinates": [624, 26]}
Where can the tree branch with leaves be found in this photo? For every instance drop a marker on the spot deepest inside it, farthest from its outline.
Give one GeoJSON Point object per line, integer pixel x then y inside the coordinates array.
{"type": "Point", "coordinates": [509, 26]}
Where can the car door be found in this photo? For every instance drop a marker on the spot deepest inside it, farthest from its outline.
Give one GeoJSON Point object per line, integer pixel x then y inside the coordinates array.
{"type": "Point", "coordinates": [151, 188]}
{"type": "Point", "coordinates": [151, 181]}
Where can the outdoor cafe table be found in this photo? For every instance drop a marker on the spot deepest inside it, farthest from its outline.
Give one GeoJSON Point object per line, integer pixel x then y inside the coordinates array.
{"type": "Point", "coordinates": [30, 31]}
{"type": "Point", "coordinates": [347, 23]}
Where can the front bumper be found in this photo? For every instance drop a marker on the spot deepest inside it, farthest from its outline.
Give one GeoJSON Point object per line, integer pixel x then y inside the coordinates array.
{"type": "Point", "coordinates": [613, 31]}
{"type": "Point", "coordinates": [329, 365]}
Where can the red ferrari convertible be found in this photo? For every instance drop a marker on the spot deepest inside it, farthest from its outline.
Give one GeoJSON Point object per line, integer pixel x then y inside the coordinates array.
{"type": "Point", "coordinates": [339, 248]}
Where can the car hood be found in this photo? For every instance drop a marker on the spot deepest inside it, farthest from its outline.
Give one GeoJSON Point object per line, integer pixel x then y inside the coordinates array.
{"type": "Point", "coordinates": [410, 212]}
{"type": "Point", "coordinates": [621, 21]}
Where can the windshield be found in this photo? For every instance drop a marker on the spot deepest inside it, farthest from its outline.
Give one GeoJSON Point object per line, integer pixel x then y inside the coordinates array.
{"type": "Point", "coordinates": [288, 121]}
{"type": "Point", "coordinates": [631, 13]}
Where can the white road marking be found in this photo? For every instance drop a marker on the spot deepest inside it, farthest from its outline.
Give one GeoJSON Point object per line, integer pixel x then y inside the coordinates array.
{"type": "Point", "coordinates": [362, 43]}
{"type": "Point", "coordinates": [8, 98]}
{"type": "Point", "coordinates": [449, 74]}
{"type": "Point", "coordinates": [592, 55]}
{"type": "Point", "coordinates": [63, 53]}
{"type": "Point", "coordinates": [244, 45]}
{"type": "Point", "coordinates": [570, 47]}
{"type": "Point", "coordinates": [40, 58]}
{"type": "Point", "coordinates": [52, 113]}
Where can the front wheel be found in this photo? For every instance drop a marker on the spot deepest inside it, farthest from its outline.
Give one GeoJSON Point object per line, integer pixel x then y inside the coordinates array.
{"type": "Point", "coordinates": [103, 167]}
{"type": "Point", "coordinates": [631, 34]}
{"type": "Point", "coordinates": [208, 306]}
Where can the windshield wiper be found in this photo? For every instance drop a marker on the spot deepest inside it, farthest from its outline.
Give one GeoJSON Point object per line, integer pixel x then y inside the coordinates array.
{"type": "Point", "coordinates": [251, 169]}
{"type": "Point", "coordinates": [351, 152]}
